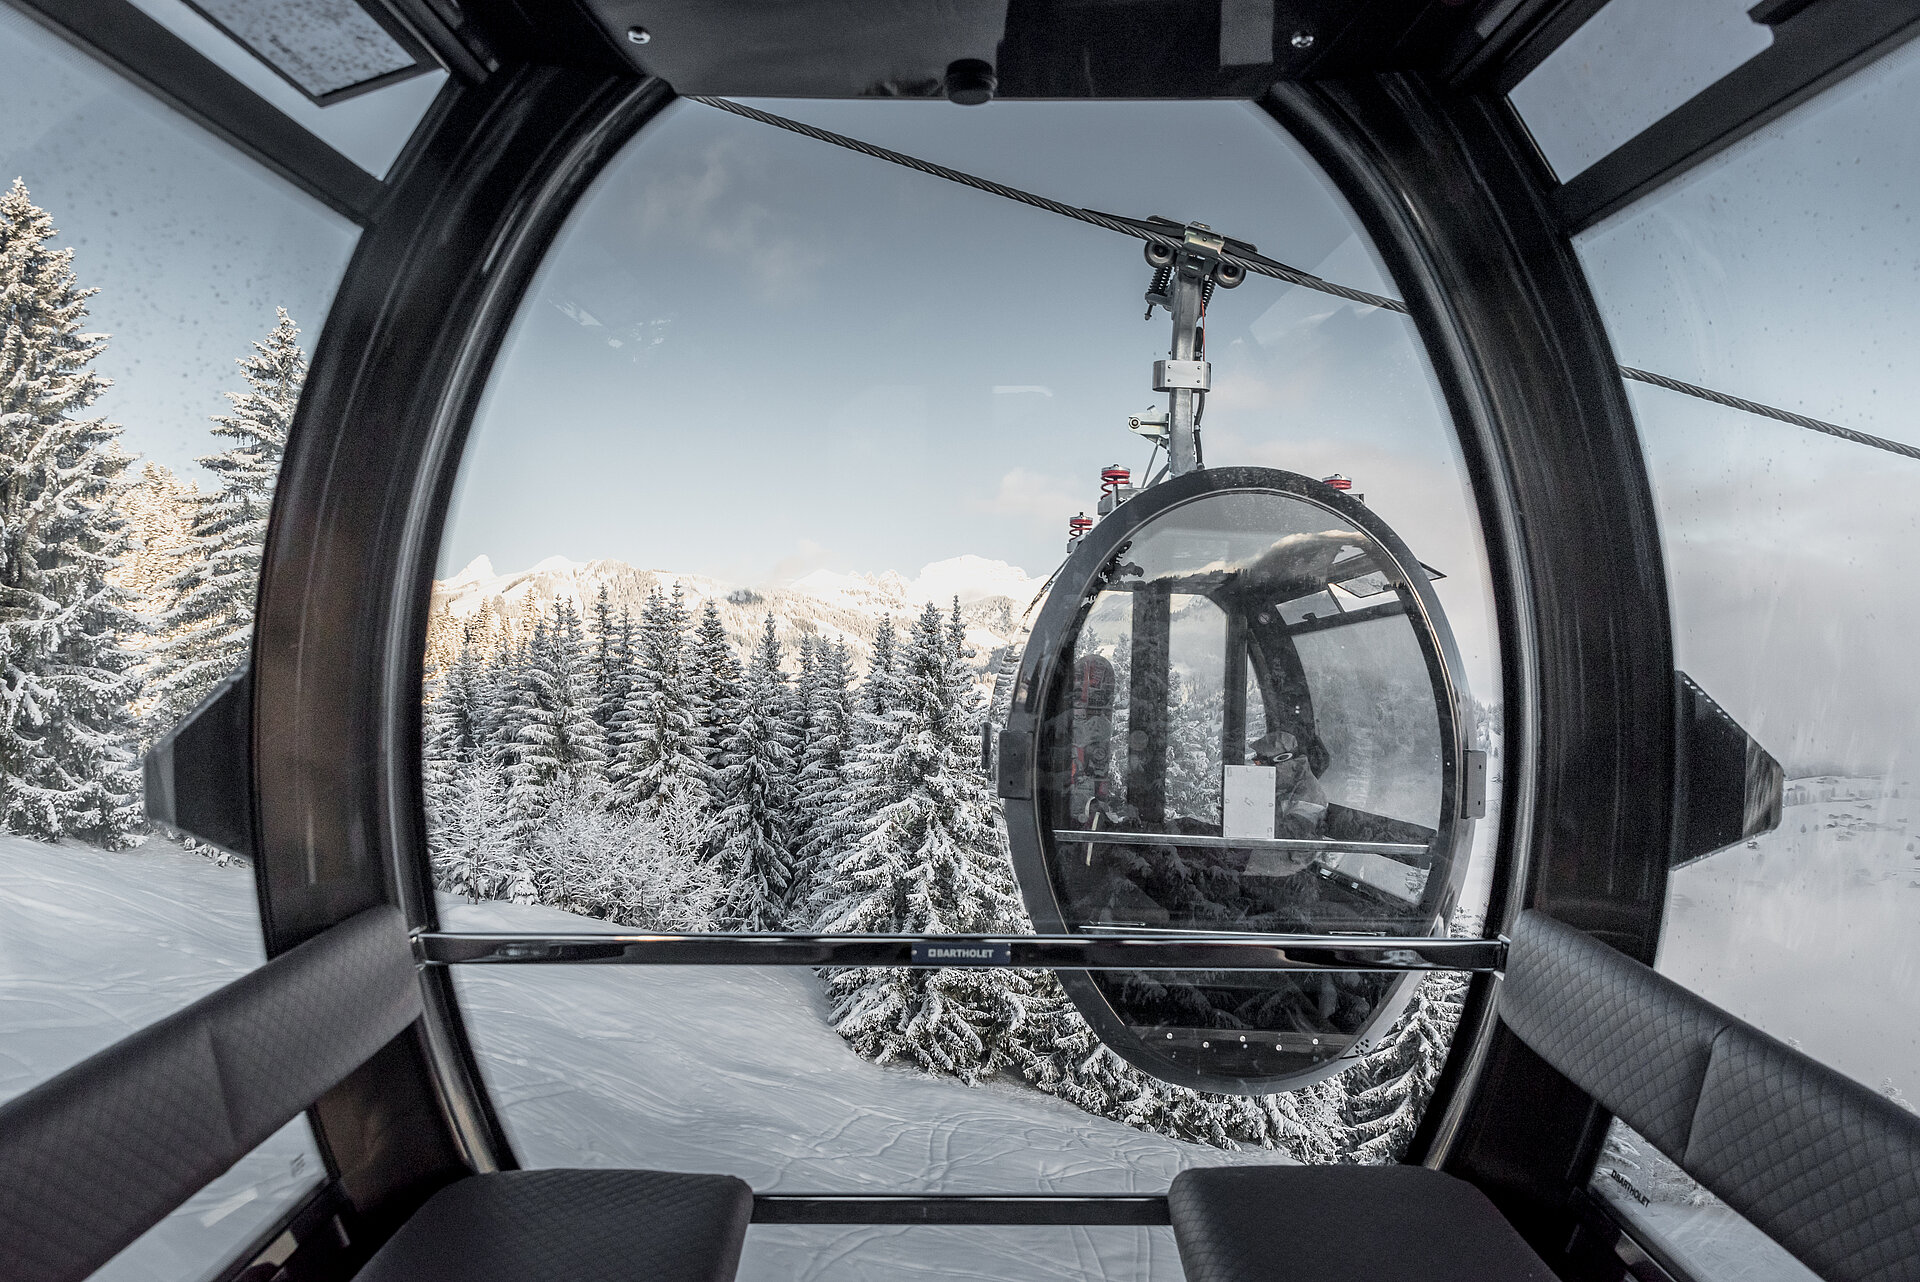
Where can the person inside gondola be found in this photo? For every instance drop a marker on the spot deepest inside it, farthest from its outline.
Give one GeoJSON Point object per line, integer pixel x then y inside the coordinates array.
{"type": "Point", "coordinates": [1300, 803]}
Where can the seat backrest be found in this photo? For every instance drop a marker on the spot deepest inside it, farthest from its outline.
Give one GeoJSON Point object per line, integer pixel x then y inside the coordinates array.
{"type": "Point", "coordinates": [93, 1158]}
{"type": "Point", "coordinates": [1823, 1165]}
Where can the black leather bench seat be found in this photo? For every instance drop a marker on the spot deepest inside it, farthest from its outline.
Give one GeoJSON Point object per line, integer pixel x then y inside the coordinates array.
{"type": "Point", "coordinates": [1342, 1224]}
{"type": "Point", "coordinates": [572, 1226]}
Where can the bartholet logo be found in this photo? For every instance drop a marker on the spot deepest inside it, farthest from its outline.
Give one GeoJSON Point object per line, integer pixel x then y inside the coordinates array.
{"type": "Point", "coordinates": [977, 954]}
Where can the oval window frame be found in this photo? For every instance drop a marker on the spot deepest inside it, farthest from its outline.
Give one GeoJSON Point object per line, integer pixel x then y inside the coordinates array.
{"type": "Point", "coordinates": [1023, 761]}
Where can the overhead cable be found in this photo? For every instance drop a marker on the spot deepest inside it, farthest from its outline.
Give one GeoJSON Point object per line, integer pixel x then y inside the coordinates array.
{"type": "Point", "coordinates": [1768, 411]}
{"type": "Point", "coordinates": [1261, 265]}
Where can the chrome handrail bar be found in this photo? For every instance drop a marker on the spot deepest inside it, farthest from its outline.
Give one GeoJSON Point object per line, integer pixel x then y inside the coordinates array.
{"type": "Point", "coordinates": [1120, 952]}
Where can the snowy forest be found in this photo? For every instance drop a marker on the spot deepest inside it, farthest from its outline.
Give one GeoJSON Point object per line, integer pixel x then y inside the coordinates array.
{"type": "Point", "coordinates": [638, 770]}
{"type": "Point", "coordinates": [630, 766]}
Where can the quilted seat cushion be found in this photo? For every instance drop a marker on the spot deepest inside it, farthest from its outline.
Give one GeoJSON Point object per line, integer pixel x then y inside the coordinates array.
{"type": "Point", "coordinates": [572, 1226]}
{"type": "Point", "coordinates": [1342, 1224]}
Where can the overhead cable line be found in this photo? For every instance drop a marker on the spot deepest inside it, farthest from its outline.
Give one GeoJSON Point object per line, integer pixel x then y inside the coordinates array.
{"type": "Point", "coordinates": [1768, 411]}
{"type": "Point", "coordinates": [1261, 265]}
{"type": "Point", "coordinates": [1258, 264]}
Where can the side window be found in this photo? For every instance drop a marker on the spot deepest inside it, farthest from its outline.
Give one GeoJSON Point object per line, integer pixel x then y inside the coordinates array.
{"type": "Point", "coordinates": [1781, 272]}
{"type": "Point", "coordinates": [777, 459]}
{"type": "Point", "coordinates": [160, 293]}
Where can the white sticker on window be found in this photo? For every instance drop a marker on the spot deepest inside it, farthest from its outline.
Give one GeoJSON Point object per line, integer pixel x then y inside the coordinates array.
{"type": "Point", "coordinates": [1246, 801]}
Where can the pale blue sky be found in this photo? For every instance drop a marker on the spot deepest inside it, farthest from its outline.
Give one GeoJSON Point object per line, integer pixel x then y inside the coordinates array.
{"type": "Point", "coordinates": [751, 355]}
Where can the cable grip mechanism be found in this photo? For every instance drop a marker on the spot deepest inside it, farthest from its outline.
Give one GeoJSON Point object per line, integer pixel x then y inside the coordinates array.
{"type": "Point", "coordinates": [1185, 273]}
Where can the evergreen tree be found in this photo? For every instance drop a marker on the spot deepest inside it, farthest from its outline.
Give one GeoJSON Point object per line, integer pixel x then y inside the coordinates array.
{"type": "Point", "coordinates": [472, 853]}
{"type": "Point", "coordinates": [66, 678]}
{"type": "Point", "coordinates": [454, 730]}
{"type": "Point", "coordinates": [604, 632]}
{"type": "Point", "coordinates": [547, 738]}
{"type": "Point", "coordinates": [756, 784]}
{"type": "Point", "coordinates": [878, 692]}
{"type": "Point", "coordinates": [208, 625]}
{"type": "Point", "coordinates": [159, 509]}
{"type": "Point", "coordinates": [929, 859]}
{"type": "Point", "coordinates": [820, 784]}
{"type": "Point", "coordinates": [714, 681]}
{"type": "Point", "coordinates": [659, 745]}
{"type": "Point", "coordinates": [1389, 1089]}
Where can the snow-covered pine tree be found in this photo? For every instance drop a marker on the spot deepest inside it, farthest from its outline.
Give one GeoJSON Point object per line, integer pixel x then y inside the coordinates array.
{"type": "Point", "coordinates": [453, 729]}
{"type": "Point", "coordinates": [630, 726]}
{"type": "Point", "coordinates": [799, 691]}
{"type": "Point", "coordinates": [820, 783]}
{"type": "Point", "coordinates": [66, 679]}
{"type": "Point", "coordinates": [472, 853]}
{"type": "Point", "coordinates": [548, 741]}
{"type": "Point", "coordinates": [659, 749]}
{"type": "Point", "coordinates": [1389, 1089]}
{"type": "Point", "coordinates": [957, 631]}
{"type": "Point", "coordinates": [207, 628]}
{"type": "Point", "coordinates": [159, 509]}
{"type": "Point", "coordinates": [714, 681]}
{"type": "Point", "coordinates": [929, 860]}
{"type": "Point", "coordinates": [604, 635]}
{"type": "Point", "coordinates": [877, 692]}
{"type": "Point", "coordinates": [754, 829]}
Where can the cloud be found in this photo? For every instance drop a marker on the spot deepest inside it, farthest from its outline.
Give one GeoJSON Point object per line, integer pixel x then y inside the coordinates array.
{"type": "Point", "coordinates": [1029, 496]}
{"type": "Point", "coordinates": [806, 557]}
{"type": "Point", "coordinates": [1015, 389]}
{"type": "Point", "coordinates": [701, 207]}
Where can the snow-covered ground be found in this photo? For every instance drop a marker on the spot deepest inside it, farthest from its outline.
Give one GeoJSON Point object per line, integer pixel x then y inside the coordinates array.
{"type": "Point", "coordinates": [96, 944]}
{"type": "Point", "coordinates": [735, 1069]}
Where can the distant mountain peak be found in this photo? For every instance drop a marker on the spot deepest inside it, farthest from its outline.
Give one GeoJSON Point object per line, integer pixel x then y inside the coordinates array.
{"type": "Point", "coordinates": [831, 605]}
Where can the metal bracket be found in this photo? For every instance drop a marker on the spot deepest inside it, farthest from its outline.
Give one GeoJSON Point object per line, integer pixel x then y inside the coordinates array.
{"type": "Point", "coordinates": [1184, 278]}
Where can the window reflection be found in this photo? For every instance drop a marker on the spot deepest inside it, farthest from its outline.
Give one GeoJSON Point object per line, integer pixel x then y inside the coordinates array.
{"type": "Point", "coordinates": [368, 129]}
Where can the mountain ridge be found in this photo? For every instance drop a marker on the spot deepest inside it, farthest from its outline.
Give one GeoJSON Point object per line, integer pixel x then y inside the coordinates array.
{"type": "Point", "coordinates": [837, 606]}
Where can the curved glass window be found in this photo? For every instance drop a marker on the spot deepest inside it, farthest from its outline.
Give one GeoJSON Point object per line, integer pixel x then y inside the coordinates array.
{"type": "Point", "coordinates": [770, 477]}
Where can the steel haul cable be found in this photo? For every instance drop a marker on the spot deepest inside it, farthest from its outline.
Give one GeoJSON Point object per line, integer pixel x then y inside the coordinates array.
{"type": "Point", "coordinates": [1261, 265]}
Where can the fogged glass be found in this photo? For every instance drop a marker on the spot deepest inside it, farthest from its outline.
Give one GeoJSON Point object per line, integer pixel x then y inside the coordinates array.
{"type": "Point", "coordinates": [369, 128]}
{"type": "Point", "coordinates": [1625, 68]}
{"type": "Point", "coordinates": [1782, 272]}
{"type": "Point", "coordinates": [324, 46]}
{"type": "Point", "coordinates": [1240, 744]}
